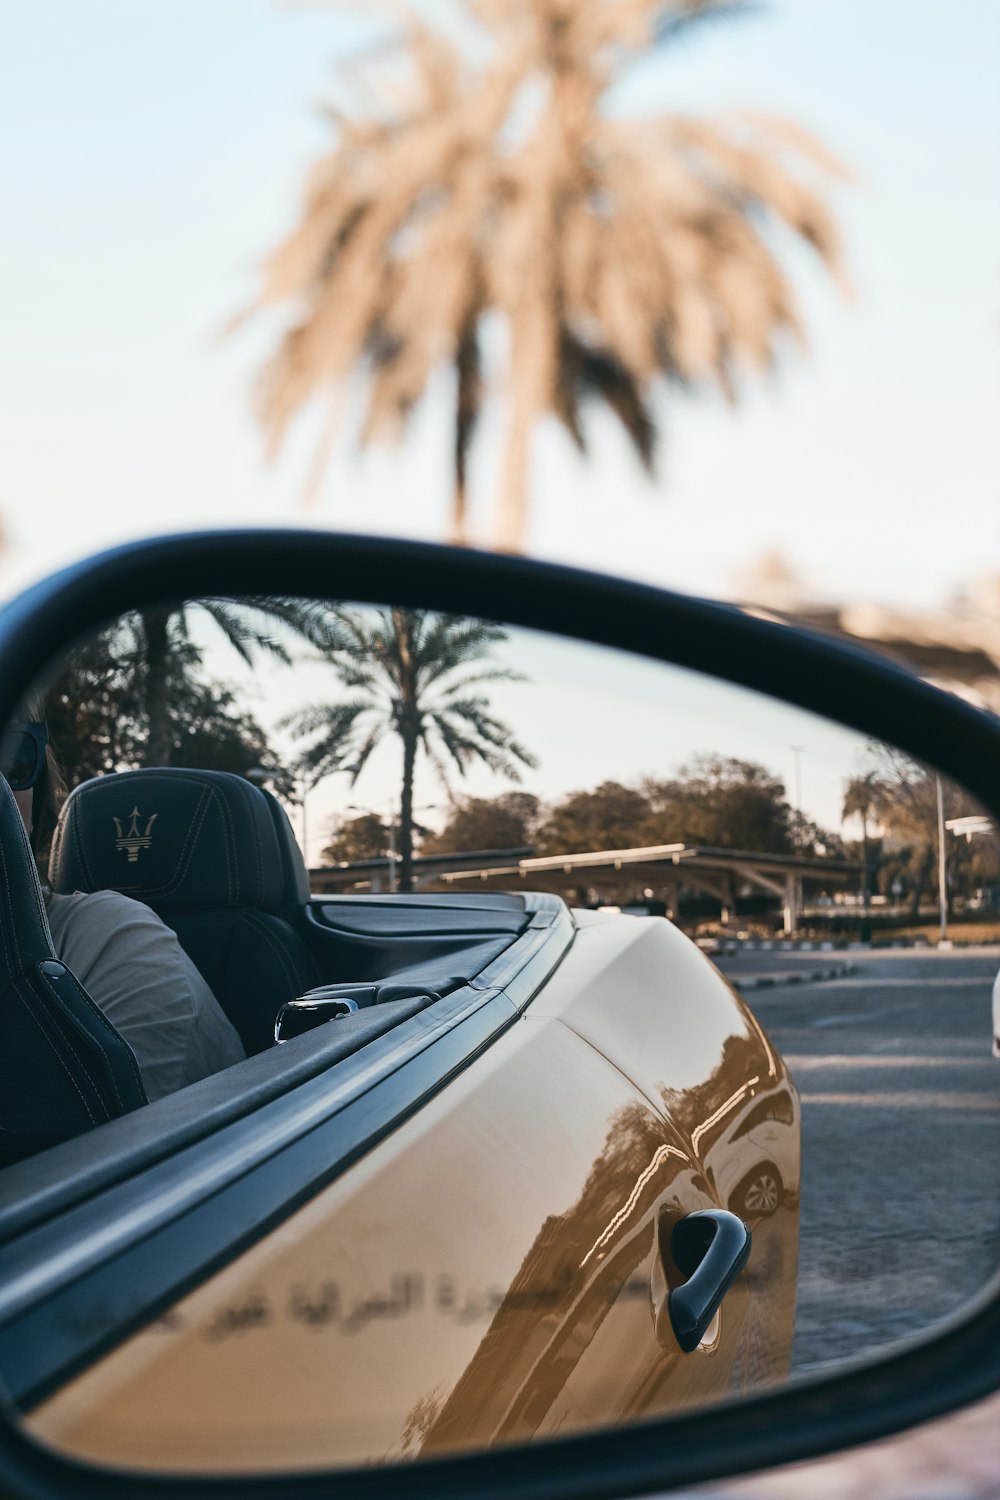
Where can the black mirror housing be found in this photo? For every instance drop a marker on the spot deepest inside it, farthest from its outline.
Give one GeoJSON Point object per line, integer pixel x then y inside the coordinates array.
{"type": "Point", "coordinates": [958, 1363]}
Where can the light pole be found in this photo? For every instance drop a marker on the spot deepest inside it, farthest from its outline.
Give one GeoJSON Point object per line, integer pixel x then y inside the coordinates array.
{"type": "Point", "coordinates": [942, 869]}
{"type": "Point", "coordinates": [797, 751]}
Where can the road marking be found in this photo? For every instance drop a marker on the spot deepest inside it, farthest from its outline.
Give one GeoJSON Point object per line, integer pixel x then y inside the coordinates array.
{"type": "Point", "coordinates": [881, 1060]}
{"type": "Point", "coordinates": [929, 1100]}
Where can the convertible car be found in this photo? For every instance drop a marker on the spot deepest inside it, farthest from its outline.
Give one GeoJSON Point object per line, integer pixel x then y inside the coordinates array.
{"type": "Point", "coordinates": [493, 1169]}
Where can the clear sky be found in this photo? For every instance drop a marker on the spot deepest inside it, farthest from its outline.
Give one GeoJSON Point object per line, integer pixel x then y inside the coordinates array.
{"type": "Point", "coordinates": [150, 154]}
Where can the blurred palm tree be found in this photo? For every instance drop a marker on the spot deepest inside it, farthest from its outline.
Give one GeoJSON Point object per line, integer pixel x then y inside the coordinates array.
{"type": "Point", "coordinates": [160, 636]}
{"type": "Point", "coordinates": [414, 675]}
{"type": "Point", "coordinates": [618, 252]}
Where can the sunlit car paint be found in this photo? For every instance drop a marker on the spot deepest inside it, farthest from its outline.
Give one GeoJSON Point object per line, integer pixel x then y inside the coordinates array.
{"type": "Point", "coordinates": [497, 1269]}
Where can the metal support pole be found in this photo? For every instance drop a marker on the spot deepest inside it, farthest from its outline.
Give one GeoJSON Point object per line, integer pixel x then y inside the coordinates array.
{"type": "Point", "coordinates": [729, 901]}
{"type": "Point", "coordinates": [670, 895]}
{"type": "Point", "coordinates": [942, 867]}
{"type": "Point", "coordinates": [791, 913]}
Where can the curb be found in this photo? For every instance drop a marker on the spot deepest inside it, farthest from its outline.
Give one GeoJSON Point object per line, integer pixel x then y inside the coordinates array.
{"type": "Point", "coordinates": [789, 945]}
{"type": "Point", "coordinates": [794, 976]}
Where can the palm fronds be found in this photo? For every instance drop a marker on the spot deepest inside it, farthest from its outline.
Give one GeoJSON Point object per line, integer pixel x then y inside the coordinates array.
{"type": "Point", "coordinates": [622, 254]}
{"type": "Point", "coordinates": [414, 676]}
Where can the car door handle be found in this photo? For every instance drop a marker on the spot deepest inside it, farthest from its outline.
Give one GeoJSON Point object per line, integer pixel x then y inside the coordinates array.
{"type": "Point", "coordinates": [710, 1248]}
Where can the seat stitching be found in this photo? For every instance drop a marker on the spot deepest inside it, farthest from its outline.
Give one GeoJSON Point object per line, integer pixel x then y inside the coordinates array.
{"type": "Point", "coordinates": [68, 1043]}
{"type": "Point", "coordinates": [10, 912]}
{"type": "Point", "coordinates": [210, 794]}
{"type": "Point", "coordinates": [254, 919]}
{"type": "Point", "coordinates": [246, 792]}
{"type": "Point", "coordinates": [39, 1021]}
{"type": "Point", "coordinates": [232, 859]}
{"type": "Point", "coordinates": [167, 887]}
{"type": "Point", "coordinates": [112, 1031]}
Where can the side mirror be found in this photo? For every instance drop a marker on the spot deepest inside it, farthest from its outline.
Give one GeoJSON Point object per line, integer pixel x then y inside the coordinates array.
{"type": "Point", "coordinates": [291, 1234]}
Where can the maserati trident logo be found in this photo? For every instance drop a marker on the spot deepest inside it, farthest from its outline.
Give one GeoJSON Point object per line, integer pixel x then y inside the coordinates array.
{"type": "Point", "coordinates": [135, 839]}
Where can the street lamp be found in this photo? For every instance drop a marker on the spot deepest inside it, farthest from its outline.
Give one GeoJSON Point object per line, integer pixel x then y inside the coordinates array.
{"type": "Point", "coordinates": [797, 751]}
{"type": "Point", "coordinates": [969, 825]}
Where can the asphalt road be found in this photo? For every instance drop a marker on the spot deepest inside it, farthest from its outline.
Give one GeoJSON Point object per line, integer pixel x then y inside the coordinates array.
{"type": "Point", "coordinates": [900, 1210]}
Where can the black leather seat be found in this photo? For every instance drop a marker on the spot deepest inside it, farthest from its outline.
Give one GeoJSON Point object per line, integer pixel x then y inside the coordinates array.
{"type": "Point", "coordinates": [215, 857]}
{"type": "Point", "coordinates": [63, 1066]}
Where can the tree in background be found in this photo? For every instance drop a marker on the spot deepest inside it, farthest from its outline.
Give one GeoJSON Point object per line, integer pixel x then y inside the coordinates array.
{"type": "Point", "coordinates": [611, 816]}
{"type": "Point", "coordinates": [504, 822]}
{"type": "Point", "coordinates": [415, 676]}
{"type": "Point", "coordinates": [252, 625]}
{"type": "Point", "coordinates": [618, 252]}
{"type": "Point", "coordinates": [715, 801]}
{"type": "Point", "coordinates": [363, 837]}
{"type": "Point", "coordinates": [97, 710]}
{"type": "Point", "coordinates": [722, 802]}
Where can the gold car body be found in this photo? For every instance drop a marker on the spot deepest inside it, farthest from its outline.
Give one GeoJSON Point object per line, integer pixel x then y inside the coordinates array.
{"type": "Point", "coordinates": [496, 1269]}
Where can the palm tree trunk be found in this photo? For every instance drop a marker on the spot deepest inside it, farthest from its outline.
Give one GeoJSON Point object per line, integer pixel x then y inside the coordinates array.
{"type": "Point", "coordinates": [866, 893]}
{"type": "Point", "coordinates": [409, 732]}
{"type": "Point", "coordinates": [406, 811]}
{"type": "Point", "coordinates": [532, 378]}
{"type": "Point", "coordinates": [534, 343]}
{"type": "Point", "coordinates": [154, 625]}
{"type": "Point", "coordinates": [466, 412]}
{"type": "Point", "coordinates": [924, 870]}
{"type": "Point", "coordinates": [459, 524]}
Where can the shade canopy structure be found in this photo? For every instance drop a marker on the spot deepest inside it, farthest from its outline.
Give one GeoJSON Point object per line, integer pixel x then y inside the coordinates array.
{"type": "Point", "coordinates": [662, 868]}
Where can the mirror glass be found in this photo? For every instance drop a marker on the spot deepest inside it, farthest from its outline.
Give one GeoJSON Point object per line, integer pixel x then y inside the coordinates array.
{"type": "Point", "coordinates": [603, 960]}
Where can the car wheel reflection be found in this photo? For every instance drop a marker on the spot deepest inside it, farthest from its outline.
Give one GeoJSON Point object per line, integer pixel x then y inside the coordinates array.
{"type": "Point", "coordinates": [759, 1194]}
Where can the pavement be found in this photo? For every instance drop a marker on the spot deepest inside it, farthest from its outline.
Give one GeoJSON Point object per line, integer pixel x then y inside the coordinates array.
{"type": "Point", "coordinates": [900, 1208]}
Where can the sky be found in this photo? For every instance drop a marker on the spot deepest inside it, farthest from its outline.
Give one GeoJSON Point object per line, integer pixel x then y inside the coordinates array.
{"type": "Point", "coordinates": [151, 154]}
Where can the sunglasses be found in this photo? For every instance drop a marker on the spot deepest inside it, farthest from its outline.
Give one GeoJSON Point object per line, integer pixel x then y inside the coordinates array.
{"type": "Point", "coordinates": [22, 755]}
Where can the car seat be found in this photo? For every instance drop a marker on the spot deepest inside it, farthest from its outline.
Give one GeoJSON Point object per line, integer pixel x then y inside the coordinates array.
{"type": "Point", "coordinates": [215, 857]}
{"type": "Point", "coordinates": [63, 1066]}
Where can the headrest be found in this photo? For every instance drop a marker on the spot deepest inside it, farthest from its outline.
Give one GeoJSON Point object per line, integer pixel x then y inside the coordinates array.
{"type": "Point", "coordinates": [296, 875]}
{"type": "Point", "coordinates": [173, 839]}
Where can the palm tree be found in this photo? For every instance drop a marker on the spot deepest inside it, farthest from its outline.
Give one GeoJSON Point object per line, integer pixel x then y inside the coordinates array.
{"type": "Point", "coordinates": [162, 632]}
{"type": "Point", "coordinates": [415, 675]}
{"type": "Point", "coordinates": [620, 253]}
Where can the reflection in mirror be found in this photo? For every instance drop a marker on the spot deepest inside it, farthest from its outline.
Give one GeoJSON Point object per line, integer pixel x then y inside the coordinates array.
{"type": "Point", "coordinates": [596, 960]}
